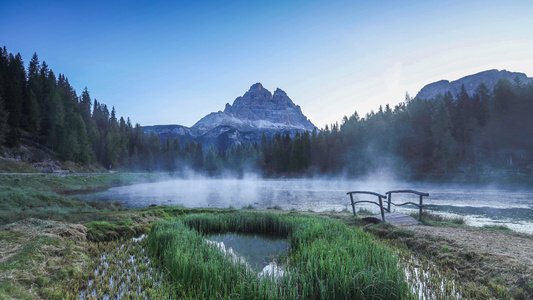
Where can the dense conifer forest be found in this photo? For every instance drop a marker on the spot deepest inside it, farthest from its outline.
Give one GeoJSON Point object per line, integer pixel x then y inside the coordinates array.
{"type": "Point", "coordinates": [490, 130]}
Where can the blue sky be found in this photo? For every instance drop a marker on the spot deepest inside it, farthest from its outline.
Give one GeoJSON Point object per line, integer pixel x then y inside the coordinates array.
{"type": "Point", "coordinates": [173, 62]}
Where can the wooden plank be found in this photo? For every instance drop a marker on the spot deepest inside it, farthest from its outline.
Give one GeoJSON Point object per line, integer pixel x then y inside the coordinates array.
{"type": "Point", "coordinates": [398, 219]}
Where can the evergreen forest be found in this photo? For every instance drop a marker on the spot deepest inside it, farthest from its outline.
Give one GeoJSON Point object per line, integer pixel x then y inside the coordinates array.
{"type": "Point", "coordinates": [417, 139]}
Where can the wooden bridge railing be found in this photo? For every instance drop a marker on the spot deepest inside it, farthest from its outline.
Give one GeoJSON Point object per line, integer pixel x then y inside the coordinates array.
{"type": "Point", "coordinates": [380, 201]}
{"type": "Point", "coordinates": [420, 205]}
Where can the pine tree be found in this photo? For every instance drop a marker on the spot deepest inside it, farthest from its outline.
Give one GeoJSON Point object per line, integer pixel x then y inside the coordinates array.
{"type": "Point", "coordinates": [30, 108]}
{"type": "Point", "coordinates": [445, 145]}
{"type": "Point", "coordinates": [4, 129]}
{"type": "Point", "coordinates": [14, 97]}
{"type": "Point", "coordinates": [482, 98]}
{"type": "Point", "coordinates": [198, 163]}
{"type": "Point", "coordinates": [85, 106]}
{"type": "Point", "coordinates": [213, 164]}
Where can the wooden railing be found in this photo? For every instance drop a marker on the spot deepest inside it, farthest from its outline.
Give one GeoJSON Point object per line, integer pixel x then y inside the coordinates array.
{"type": "Point", "coordinates": [420, 205]}
{"type": "Point", "coordinates": [379, 203]}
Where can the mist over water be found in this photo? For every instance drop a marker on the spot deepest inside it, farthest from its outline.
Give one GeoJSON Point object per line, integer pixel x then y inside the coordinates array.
{"type": "Point", "coordinates": [479, 205]}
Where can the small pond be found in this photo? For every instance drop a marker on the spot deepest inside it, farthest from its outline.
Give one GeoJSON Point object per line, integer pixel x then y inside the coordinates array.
{"type": "Point", "coordinates": [259, 251]}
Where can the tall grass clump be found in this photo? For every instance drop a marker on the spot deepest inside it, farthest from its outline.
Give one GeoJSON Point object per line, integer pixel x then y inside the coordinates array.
{"type": "Point", "coordinates": [326, 260]}
{"type": "Point", "coordinates": [432, 219]}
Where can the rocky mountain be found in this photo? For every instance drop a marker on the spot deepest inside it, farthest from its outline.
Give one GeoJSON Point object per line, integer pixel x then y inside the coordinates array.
{"type": "Point", "coordinates": [471, 82]}
{"type": "Point", "coordinates": [258, 111]}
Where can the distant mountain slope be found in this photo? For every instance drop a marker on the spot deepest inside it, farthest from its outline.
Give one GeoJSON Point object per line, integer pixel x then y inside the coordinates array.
{"type": "Point", "coordinates": [471, 82]}
{"type": "Point", "coordinates": [256, 112]}
{"type": "Point", "coordinates": [170, 131]}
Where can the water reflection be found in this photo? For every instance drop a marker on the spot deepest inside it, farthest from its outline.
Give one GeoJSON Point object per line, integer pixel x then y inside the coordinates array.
{"type": "Point", "coordinates": [258, 250]}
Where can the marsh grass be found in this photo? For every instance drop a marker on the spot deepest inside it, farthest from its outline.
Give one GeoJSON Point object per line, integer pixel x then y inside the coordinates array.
{"type": "Point", "coordinates": [435, 219]}
{"type": "Point", "coordinates": [123, 270]}
{"type": "Point", "coordinates": [326, 260]}
{"type": "Point", "coordinates": [364, 211]}
{"type": "Point", "coordinates": [426, 280]}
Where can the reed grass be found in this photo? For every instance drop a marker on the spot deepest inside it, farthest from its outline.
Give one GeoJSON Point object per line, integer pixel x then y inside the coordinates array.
{"type": "Point", "coordinates": [326, 260]}
{"type": "Point", "coordinates": [123, 270]}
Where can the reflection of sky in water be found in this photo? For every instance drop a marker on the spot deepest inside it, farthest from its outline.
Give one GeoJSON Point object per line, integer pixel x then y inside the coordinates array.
{"type": "Point", "coordinates": [257, 249]}
{"type": "Point", "coordinates": [478, 205]}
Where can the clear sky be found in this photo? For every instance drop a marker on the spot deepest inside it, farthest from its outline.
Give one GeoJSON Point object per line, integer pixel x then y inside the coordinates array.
{"type": "Point", "coordinates": [173, 62]}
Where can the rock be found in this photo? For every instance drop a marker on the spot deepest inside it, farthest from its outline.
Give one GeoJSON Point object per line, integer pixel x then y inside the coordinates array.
{"type": "Point", "coordinates": [257, 109]}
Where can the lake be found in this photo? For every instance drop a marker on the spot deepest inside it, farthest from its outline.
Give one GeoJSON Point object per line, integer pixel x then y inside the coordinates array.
{"type": "Point", "coordinates": [479, 205]}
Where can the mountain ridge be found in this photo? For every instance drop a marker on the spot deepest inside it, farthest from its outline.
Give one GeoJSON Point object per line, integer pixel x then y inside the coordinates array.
{"type": "Point", "coordinates": [471, 82]}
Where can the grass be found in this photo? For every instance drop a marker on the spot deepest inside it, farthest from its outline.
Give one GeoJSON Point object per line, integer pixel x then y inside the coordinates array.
{"type": "Point", "coordinates": [327, 259]}
{"type": "Point", "coordinates": [122, 269]}
{"type": "Point", "coordinates": [49, 196]}
{"type": "Point", "coordinates": [497, 228]}
{"type": "Point", "coordinates": [364, 211]}
{"type": "Point", "coordinates": [101, 231]}
{"type": "Point", "coordinates": [9, 165]}
{"type": "Point", "coordinates": [276, 207]}
{"type": "Point", "coordinates": [39, 263]}
{"type": "Point", "coordinates": [248, 207]}
{"type": "Point", "coordinates": [435, 219]}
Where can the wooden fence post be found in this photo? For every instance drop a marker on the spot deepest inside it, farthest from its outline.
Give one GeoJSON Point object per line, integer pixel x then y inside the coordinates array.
{"type": "Point", "coordinates": [353, 205]}
{"type": "Point", "coordinates": [420, 208]}
{"type": "Point", "coordinates": [381, 208]}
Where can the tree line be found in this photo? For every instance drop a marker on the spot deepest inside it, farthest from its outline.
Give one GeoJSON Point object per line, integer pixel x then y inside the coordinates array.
{"type": "Point", "coordinates": [419, 138]}
{"type": "Point", "coordinates": [447, 134]}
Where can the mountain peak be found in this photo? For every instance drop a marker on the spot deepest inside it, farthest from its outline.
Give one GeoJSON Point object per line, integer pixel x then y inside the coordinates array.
{"type": "Point", "coordinates": [259, 109]}
{"type": "Point", "coordinates": [256, 87]}
{"type": "Point", "coordinates": [279, 91]}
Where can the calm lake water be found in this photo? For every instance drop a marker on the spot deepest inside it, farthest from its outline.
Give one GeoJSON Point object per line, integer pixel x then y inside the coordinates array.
{"type": "Point", "coordinates": [479, 206]}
